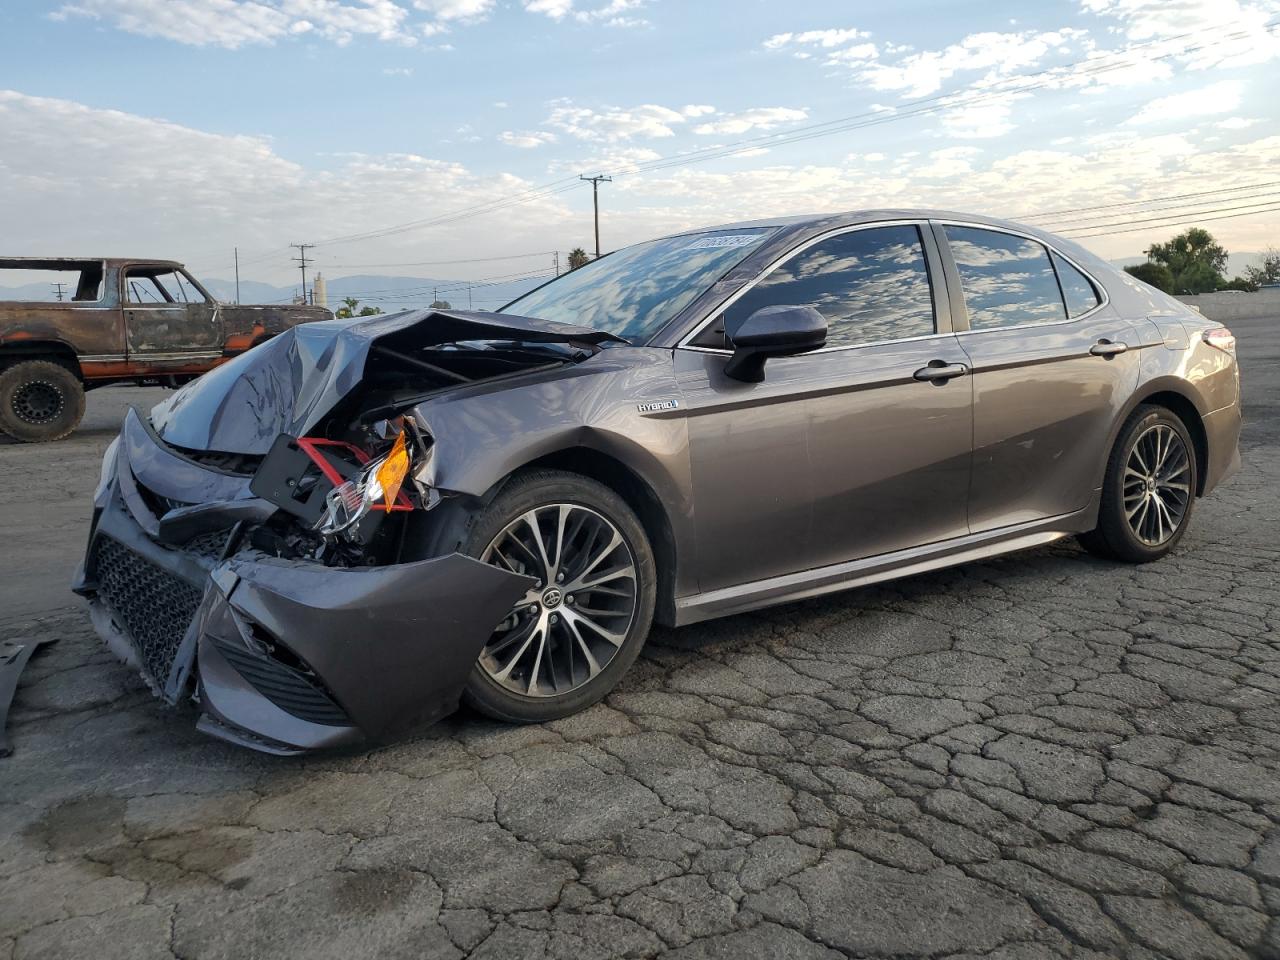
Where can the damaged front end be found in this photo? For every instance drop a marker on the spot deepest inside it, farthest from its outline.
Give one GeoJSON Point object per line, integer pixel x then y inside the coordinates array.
{"type": "Point", "coordinates": [258, 543]}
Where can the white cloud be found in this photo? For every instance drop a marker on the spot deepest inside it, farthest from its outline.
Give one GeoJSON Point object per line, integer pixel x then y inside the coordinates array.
{"type": "Point", "coordinates": [234, 23]}
{"type": "Point", "coordinates": [526, 139]}
{"type": "Point", "coordinates": [819, 38]}
{"type": "Point", "coordinates": [398, 71]}
{"type": "Point", "coordinates": [760, 118]}
{"type": "Point", "coordinates": [910, 73]}
{"type": "Point", "coordinates": [1200, 33]}
{"type": "Point", "coordinates": [456, 9]}
{"type": "Point", "coordinates": [615, 123]}
{"type": "Point", "coordinates": [611, 13]}
{"type": "Point", "coordinates": [555, 9]}
{"type": "Point", "coordinates": [1237, 123]}
{"type": "Point", "coordinates": [1222, 97]}
{"type": "Point", "coordinates": [982, 117]}
{"type": "Point", "coordinates": [948, 162]}
{"type": "Point", "coordinates": [102, 182]}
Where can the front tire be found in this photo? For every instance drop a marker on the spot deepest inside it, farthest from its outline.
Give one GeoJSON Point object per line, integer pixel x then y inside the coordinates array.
{"type": "Point", "coordinates": [40, 401]}
{"type": "Point", "coordinates": [568, 642]}
{"type": "Point", "coordinates": [1149, 491]}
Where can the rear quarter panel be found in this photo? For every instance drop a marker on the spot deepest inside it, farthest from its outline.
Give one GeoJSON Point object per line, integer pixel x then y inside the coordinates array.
{"type": "Point", "coordinates": [90, 330]}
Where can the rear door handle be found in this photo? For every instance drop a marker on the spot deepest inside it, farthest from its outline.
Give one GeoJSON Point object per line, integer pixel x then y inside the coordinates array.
{"type": "Point", "coordinates": [940, 372]}
{"type": "Point", "coordinates": [1105, 348]}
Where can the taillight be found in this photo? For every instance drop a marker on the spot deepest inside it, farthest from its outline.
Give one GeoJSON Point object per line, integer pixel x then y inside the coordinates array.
{"type": "Point", "coordinates": [1222, 338]}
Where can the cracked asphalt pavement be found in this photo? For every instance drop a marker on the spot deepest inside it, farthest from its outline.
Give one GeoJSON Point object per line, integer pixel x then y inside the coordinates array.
{"type": "Point", "coordinates": [1046, 755]}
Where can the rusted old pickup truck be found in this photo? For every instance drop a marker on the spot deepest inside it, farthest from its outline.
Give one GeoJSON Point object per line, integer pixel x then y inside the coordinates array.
{"type": "Point", "coordinates": [122, 321]}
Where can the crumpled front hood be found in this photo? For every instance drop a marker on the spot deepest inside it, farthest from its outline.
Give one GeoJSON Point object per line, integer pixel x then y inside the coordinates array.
{"type": "Point", "coordinates": [289, 383]}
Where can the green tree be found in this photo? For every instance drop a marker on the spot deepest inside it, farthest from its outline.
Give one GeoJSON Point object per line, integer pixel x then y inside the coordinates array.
{"type": "Point", "coordinates": [1268, 273]}
{"type": "Point", "coordinates": [1239, 283]}
{"type": "Point", "coordinates": [578, 258]}
{"type": "Point", "coordinates": [349, 310]}
{"type": "Point", "coordinates": [1156, 274]}
{"type": "Point", "coordinates": [441, 305]}
{"type": "Point", "coordinates": [1194, 258]}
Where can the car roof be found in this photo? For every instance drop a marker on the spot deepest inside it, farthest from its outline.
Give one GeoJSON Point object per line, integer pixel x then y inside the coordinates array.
{"type": "Point", "coordinates": [829, 221]}
{"type": "Point", "coordinates": [62, 263]}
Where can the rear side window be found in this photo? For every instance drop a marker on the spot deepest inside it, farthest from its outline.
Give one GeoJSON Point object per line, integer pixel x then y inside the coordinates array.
{"type": "Point", "coordinates": [872, 285]}
{"type": "Point", "coordinates": [1007, 280]}
{"type": "Point", "coordinates": [1077, 289]}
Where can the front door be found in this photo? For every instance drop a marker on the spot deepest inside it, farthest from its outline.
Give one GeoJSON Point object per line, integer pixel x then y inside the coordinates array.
{"type": "Point", "coordinates": [1052, 368]}
{"type": "Point", "coordinates": [858, 449]}
{"type": "Point", "coordinates": [168, 320]}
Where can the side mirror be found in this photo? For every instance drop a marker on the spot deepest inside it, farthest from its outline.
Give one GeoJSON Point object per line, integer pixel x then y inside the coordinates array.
{"type": "Point", "coordinates": [780, 331]}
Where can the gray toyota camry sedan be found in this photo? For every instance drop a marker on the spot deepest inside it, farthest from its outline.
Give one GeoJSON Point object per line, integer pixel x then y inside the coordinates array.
{"type": "Point", "coordinates": [353, 527]}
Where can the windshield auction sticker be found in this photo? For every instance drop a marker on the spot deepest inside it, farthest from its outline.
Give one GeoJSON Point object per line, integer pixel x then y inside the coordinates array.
{"type": "Point", "coordinates": [730, 240]}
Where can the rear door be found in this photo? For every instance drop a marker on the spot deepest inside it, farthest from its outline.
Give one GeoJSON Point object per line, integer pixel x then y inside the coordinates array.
{"type": "Point", "coordinates": [1053, 365]}
{"type": "Point", "coordinates": [843, 453]}
{"type": "Point", "coordinates": [167, 317]}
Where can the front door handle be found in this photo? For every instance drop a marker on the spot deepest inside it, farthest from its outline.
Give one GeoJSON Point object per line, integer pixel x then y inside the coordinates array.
{"type": "Point", "coordinates": [938, 371]}
{"type": "Point", "coordinates": [1105, 348]}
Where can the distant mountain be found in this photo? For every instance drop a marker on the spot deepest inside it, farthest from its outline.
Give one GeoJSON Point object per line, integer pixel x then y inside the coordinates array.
{"type": "Point", "coordinates": [389, 293]}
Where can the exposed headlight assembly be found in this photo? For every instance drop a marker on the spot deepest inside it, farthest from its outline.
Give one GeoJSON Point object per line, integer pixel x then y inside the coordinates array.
{"type": "Point", "coordinates": [378, 485]}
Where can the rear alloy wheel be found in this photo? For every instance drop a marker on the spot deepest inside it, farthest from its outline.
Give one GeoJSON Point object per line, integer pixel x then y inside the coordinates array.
{"type": "Point", "coordinates": [566, 643]}
{"type": "Point", "coordinates": [1149, 490]}
{"type": "Point", "coordinates": [39, 400]}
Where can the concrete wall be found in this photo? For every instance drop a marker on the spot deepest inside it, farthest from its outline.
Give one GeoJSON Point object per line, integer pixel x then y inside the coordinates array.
{"type": "Point", "coordinates": [1236, 305]}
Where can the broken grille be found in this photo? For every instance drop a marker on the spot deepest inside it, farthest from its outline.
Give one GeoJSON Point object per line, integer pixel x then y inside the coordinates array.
{"type": "Point", "coordinates": [156, 606]}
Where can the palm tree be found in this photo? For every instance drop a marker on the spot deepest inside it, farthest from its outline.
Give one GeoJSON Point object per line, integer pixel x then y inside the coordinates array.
{"type": "Point", "coordinates": [577, 258]}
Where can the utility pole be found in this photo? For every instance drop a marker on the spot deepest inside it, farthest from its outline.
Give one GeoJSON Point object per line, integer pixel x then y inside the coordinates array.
{"type": "Point", "coordinates": [237, 252]}
{"type": "Point", "coordinates": [557, 256]}
{"type": "Point", "coordinates": [59, 286]}
{"type": "Point", "coordinates": [469, 296]}
{"type": "Point", "coordinates": [301, 260]}
{"type": "Point", "coordinates": [595, 201]}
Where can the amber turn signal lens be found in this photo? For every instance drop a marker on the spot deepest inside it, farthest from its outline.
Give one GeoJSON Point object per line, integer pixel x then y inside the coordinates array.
{"type": "Point", "coordinates": [392, 472]}
{"type": "Point", "coordinates": [1220, 337]}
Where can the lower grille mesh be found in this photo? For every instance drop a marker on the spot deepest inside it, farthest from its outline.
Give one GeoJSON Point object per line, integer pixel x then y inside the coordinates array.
{"type": "Point", "coordinates": [285, 687]}
{"type": "Point", "coordinates": [156, 606]}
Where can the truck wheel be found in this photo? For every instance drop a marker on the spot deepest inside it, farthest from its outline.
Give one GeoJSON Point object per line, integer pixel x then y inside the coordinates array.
{"type": "Point", "coordinates": [39, 400]}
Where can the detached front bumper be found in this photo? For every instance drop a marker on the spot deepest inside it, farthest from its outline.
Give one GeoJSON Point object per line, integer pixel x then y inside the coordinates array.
{"type": "Point", "coordinates": [281, 655]}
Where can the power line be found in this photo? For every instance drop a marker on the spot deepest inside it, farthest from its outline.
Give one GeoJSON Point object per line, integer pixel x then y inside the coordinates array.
{"type": "Point", "coordinates": [1003, 88]}
{"type": "Point", "coordinates": [1130, 203]}
{"type": "Point", "coordinates": [919, 107]}
{"type": "Point", "coordinates": [1075, 223]}
{"type": "Point", "coordinates": [443, 263]}
{"type": "Point", "coordinates": [1173, 219]}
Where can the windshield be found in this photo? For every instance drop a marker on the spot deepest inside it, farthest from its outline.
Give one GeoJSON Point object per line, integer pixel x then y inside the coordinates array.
{"type": "Point", "coordinates": [632, 293]}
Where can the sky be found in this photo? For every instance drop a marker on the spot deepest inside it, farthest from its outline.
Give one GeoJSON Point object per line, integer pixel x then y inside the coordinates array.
{"type": "Point", "coordinates": [445, 138]}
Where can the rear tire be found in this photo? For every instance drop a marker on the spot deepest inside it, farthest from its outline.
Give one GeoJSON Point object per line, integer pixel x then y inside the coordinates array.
{"type": "Point", "coordinates": [40, 401]}
{"type": "Point", "coordinates": [589, 634]}
{"type": "Point", "coordinates": [1149, 491]}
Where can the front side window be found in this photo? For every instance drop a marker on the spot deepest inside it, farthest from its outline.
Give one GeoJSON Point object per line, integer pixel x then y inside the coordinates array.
{"type": "Point", "coordinates": [1077, 290]}
{"type": "Point", "coordinates": [160, 286]}
{"type": "Point", "coordinates": [1007, 280]}
{"type": "Point", "coordinates": [635, 291]}
{"type": "Point", "coordinates": [872, 285]}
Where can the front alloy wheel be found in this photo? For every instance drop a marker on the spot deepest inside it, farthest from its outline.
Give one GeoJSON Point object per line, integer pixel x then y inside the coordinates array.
{"type": "Point", "coordinates": [582, 622]}
{"type": "Point", "coordinates": [573, 621]}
